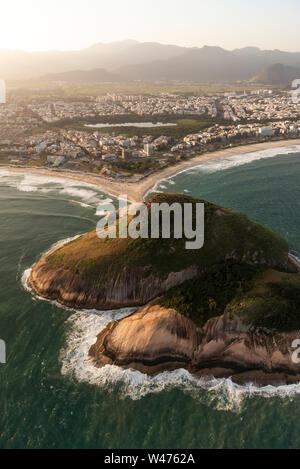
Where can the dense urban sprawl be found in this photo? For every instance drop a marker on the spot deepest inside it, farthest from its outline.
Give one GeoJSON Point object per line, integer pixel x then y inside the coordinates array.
{"type": "Point", "coordinates": [41, 132]}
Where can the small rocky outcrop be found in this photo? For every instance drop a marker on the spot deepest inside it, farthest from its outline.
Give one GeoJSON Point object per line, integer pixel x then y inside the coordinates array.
{"type": "Point", "coordinates": [156, 339]}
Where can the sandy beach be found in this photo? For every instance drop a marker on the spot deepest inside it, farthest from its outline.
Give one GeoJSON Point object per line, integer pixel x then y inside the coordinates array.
{"type": "Point", "coordinates": [136, 190]}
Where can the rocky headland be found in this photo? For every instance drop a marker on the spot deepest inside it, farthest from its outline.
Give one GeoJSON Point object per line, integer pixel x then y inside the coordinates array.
{"type": "Point", "coordinates": [231, 308]}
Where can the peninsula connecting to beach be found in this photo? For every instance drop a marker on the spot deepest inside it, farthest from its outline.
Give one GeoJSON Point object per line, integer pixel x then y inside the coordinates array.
{"type": "Point", "coordinates": [137, 188]}
{"type": "Point", "coordinates": [227, 309]}
{"type": "Point", "coordinates": [124, 138]}
{"type": "Point", "coordinates": [150, 228]}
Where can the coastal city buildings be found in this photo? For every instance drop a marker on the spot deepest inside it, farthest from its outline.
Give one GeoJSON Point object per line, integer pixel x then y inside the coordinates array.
{"type": "Point", "coordinates": [54, 132]}
{"type": "Point", "coordinates": [250, 106]}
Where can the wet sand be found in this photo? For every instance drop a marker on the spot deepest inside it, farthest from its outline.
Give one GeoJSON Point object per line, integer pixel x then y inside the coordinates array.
{"type": "Point", "coordinates": [137, 190]}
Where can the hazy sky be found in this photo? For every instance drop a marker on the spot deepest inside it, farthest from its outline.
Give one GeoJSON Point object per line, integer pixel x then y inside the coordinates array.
{"type": "Point", "coordinates": [74, 24]}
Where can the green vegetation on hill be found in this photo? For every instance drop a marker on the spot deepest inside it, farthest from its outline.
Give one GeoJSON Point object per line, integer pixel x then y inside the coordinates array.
{"type": "Point", "coordinates": [229, 235]}
{"type": "Point", "coordinates": [207, 295]}
{"type": "Point", "coordinates": [242, 268]}
{"type": "Point", "coordinates": [275, 307]}
{"type": "Point", "coordinates": [262, 298]}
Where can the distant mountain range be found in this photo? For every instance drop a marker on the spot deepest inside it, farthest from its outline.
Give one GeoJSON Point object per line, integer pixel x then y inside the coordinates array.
{"type": "Point", "coordinates": [277, 74]}
{"type": "Point", "coordinates": [100, 75]}
{"type": "Point", "coordinates": [111, 56]}
{"type": "Point", "coordinates": [132, 60]}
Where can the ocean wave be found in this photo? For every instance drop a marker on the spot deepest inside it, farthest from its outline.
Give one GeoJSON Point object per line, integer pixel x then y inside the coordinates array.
{"type": "Point", "coordinates": [228, 163]}
{"type": "Point", "coordinates": [246, 158]}
{"type": "Point", "coordinates": [242, 159]}
{"type": "Point", "coordinates": [86, 192]}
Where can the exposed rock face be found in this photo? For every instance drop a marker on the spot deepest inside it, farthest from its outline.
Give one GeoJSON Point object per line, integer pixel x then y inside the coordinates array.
{"type": "Point", "coordinates": [128, 289]}
{"type": "Point", "coordinates": [156, 339]}
{"type": "Point", "coordinates": [294, 265]}
{"type": "Point", "coordinates": [150, 340]}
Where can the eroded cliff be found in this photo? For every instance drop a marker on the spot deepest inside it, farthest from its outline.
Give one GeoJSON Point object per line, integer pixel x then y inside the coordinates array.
{"type": "Point", "coordinates": [157, 339]}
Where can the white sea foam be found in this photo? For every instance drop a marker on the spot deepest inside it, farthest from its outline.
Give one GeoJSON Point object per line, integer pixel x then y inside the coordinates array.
{"type": "Point", "coordinates": [4, 173]}
{"type": "Point", "coordinates": [223, 394]}
{"type": "Point", "coordinates": [27, 272]}
{"type": "Point", "coordinates": [24, 279]}
{"type": "Point", "coordinates": [239, 160]}
{"type": "Point", "coordinates": [27, 188]}
{"type": "Point", "coordinates": [86, 192]}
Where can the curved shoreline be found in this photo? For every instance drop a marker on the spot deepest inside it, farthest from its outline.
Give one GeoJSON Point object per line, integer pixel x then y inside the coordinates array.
{"type": "Point", "coordinates": [138, 190]}
{"type": "Point", "coordinates": [192, 164]}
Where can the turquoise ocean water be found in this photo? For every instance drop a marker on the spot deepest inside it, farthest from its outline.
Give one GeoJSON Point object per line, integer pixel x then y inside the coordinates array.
{"type": "Point", "coordinates": [50, 394]}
